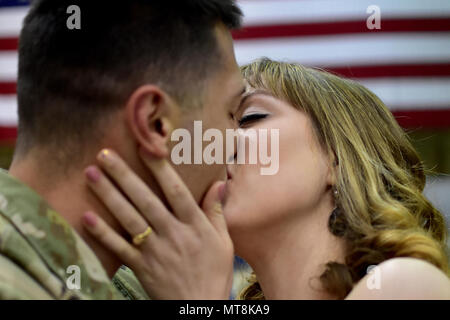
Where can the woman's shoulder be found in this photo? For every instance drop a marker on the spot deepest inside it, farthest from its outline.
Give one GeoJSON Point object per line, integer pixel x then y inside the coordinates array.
{"type": "Point", "coordinates": [402, 278]}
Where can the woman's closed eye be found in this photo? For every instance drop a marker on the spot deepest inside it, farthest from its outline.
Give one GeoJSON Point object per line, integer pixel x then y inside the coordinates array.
{"type": "Point", "coordinates": [250, 118]}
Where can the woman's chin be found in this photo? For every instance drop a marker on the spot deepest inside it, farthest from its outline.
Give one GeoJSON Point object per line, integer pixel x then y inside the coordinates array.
{"type": "Point", "coordinates": [237, 222]}
{"type": "Point", "coordinates": [230, 216]}
{"type": "Point", "coordinates": [233, 218]}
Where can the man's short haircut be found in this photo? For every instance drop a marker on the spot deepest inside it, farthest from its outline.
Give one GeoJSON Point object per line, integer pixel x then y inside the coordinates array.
{"type": "Point", "coordinates": [71, 79]}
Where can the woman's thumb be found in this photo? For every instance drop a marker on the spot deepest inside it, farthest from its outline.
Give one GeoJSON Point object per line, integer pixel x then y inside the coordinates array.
{"type": "Point", "coordinates": [212, 206]}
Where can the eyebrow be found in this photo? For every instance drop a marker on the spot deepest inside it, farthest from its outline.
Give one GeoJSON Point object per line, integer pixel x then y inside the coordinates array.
{"type": "Point", "coordinates": [251, 93]}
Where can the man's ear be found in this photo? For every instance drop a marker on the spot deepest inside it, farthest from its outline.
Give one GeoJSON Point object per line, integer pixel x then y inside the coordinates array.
{"type": "Point", "coordinates": [150, 115]}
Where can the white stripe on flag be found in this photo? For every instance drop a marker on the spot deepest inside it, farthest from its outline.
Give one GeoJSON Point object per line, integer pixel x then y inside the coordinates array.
{"type": "Point", "coordinates": [8, 110]}
{"type": "Point", "coordinates": [411, 93]}
{"type": "Point", "coordinates": [8, 65]}
{"type": "Point", "coordinates": [325, 51]}
{"type": "Point", "coordinates": [348, 50]}
{"type": "Point", "coordinates": [306, 11]}
{"type": "Point", "coordinates": [11, 21]}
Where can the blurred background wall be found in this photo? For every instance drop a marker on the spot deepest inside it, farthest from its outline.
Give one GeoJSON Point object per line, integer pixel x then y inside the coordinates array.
{"type": "Point", "coordinates": [406, 62]}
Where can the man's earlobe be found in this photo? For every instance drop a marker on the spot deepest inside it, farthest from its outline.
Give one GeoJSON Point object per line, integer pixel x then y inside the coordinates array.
{"type": "Point", "coordinates": [159, 136]}
{"type": "Point", "coordinates": [148, 116]}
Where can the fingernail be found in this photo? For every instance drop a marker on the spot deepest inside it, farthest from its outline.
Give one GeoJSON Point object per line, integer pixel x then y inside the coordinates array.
{"type": "Point", "coordinates": [104, 155]}
{"type": "Point", "coordinates": [218, 208]}
{"type": "Point", "coordinates": [90, 219]}
{"type": "Point", "coordinates": [93, 174]}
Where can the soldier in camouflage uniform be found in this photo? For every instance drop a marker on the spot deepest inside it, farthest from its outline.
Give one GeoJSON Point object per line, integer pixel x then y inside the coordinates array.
{"type": "Point", "coordinates": [37, 247]}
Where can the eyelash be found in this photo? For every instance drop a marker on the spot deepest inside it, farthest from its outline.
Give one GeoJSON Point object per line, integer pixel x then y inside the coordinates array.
{"type": "Point", "coordinates": [251, 117]}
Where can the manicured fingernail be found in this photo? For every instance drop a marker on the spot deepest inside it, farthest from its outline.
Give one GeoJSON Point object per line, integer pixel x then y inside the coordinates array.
{"type": "Point", "coordinates": [218, 208]}
{"type": "Point", "coordinates": [90, 219]}
{"type": "Point", "coordinates": [93, 174]}
{"type": "Point", "coordinates": [104, 154]}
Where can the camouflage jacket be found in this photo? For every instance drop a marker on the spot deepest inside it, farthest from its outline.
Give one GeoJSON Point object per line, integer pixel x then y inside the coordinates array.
{"type": "Point", "coordinates": [43, 257]}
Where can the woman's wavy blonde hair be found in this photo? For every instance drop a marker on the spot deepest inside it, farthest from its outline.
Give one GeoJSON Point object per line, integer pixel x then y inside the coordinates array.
{"type": "Point", "coordinates": [382, 211]}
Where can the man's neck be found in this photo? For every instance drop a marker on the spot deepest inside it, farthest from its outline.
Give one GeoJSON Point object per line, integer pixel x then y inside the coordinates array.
{"type": "Point", "coordinates": [71, 198]}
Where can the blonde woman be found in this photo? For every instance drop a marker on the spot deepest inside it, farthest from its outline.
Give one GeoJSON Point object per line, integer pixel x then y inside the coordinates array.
{"type": "Point", "coordinates": [344, 217]}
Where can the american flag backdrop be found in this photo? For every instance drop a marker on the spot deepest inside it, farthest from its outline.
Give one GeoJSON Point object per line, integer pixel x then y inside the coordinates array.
{"type": "Point", "coordinates": [406, 62]}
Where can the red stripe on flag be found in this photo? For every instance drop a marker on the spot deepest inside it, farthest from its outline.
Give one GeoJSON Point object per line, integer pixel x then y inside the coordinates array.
{"type": "Point", "coordinates": [423, 118]}
{"type": "Point", "coordinates": [313, 29]}
{"type": "Point", "coordinates": [405, 70]}
{"type": "Point", "coordinates": [9, 44]}
{"type": "Point", "coordinates": [8, 134]}
{"type": "Point", "coordinates": [8, 88]}
{"type": "Point", "coordinates": [341, 27]}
